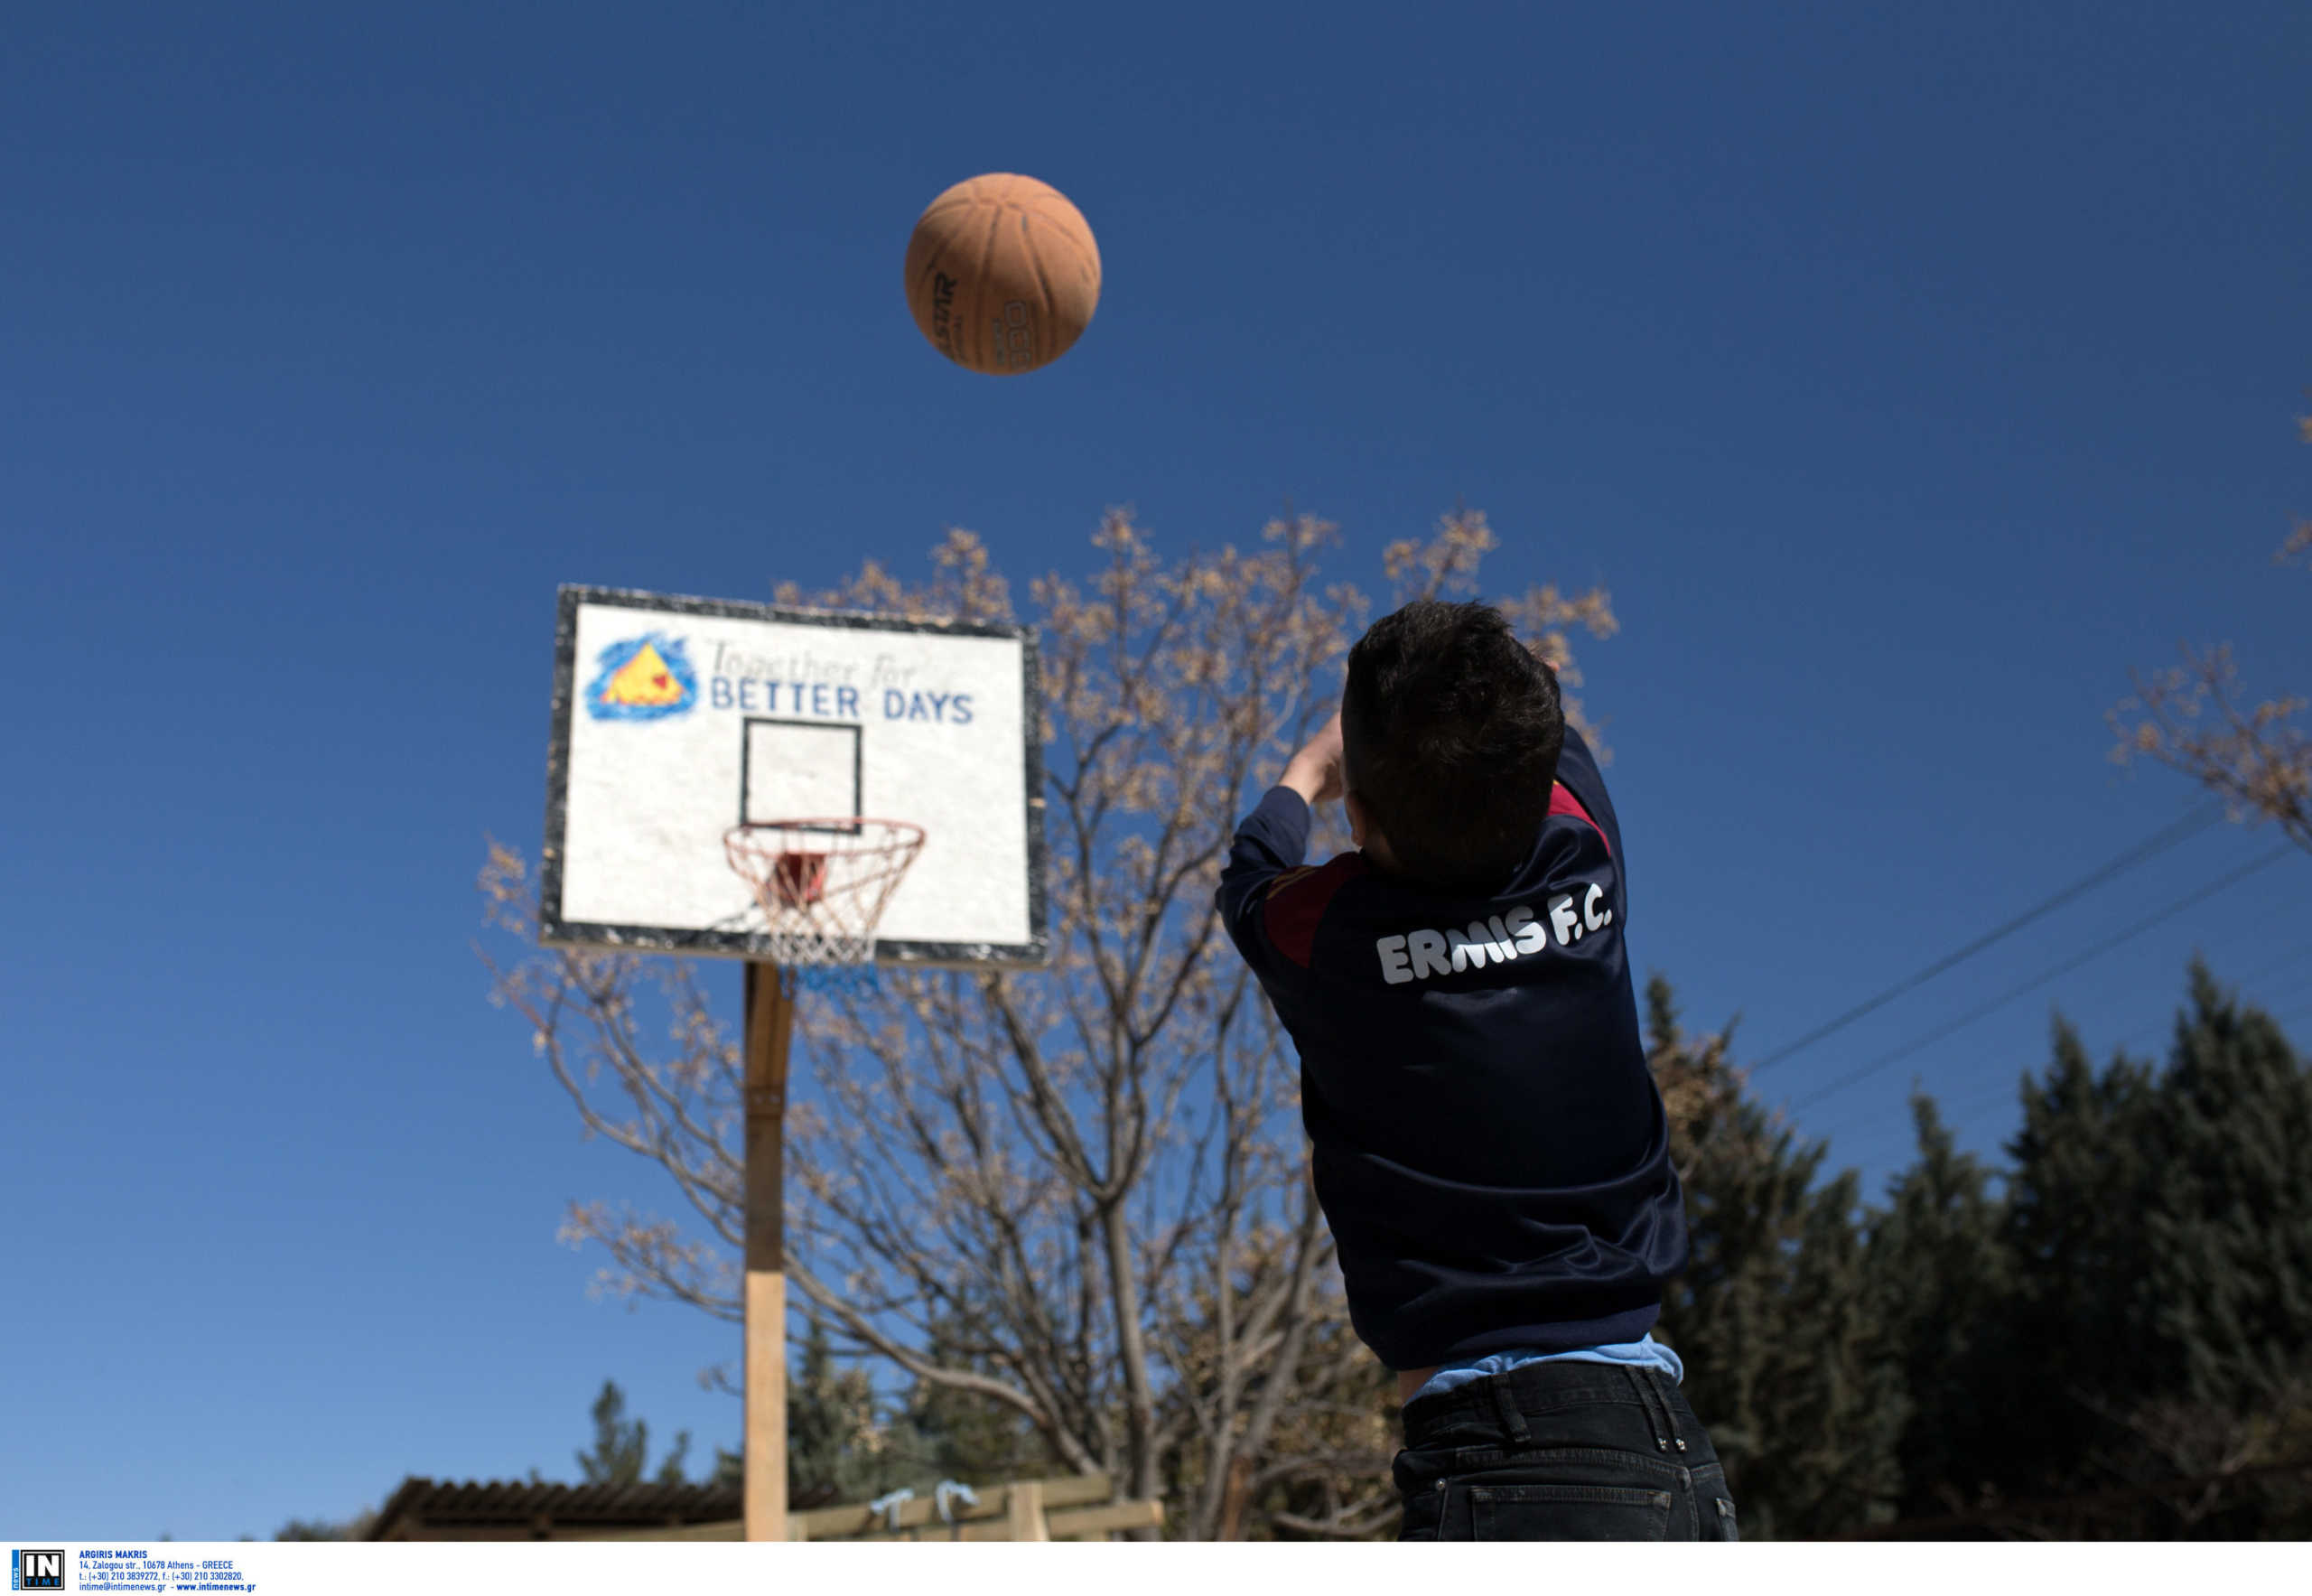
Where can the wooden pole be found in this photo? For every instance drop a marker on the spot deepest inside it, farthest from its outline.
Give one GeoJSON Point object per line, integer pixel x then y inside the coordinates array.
{"type": "Point", "coordinates": [769, 1027]}
{"type": "Point", "coordinates": [1025, 1510]}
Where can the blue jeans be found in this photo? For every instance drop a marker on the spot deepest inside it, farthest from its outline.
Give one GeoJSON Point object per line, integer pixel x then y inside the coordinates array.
{"type": "Point", "coordinates": [1561, 1452]}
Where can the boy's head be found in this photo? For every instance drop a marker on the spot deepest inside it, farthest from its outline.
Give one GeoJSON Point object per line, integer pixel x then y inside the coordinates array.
{"type": "Point", "coordinates": [1450, 730]}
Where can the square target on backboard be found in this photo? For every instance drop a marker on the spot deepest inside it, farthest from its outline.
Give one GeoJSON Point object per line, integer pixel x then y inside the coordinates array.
{"type": "Point", "coordinates": [677, 719]}
{"type": "Point", "coordinates": [801, 774]}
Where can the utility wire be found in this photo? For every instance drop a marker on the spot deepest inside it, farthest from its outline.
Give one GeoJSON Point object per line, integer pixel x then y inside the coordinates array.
{"type": "Point", "coordinates": [1959, 1115]}
{"type": "Point", "coordinates": [2239, 986]}
{"type": "Point", "coordinates": [2104, 947]}
{"type": "Point", "coordinates": [2190, 825]}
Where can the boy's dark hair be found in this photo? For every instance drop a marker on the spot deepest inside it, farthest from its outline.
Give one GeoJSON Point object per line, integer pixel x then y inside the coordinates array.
{"type": "Point", "coordinates": [1451, 729]}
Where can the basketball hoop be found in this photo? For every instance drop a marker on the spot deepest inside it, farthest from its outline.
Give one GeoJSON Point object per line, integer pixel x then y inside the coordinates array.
{"type": "Point", "coordinates": [822, 885]}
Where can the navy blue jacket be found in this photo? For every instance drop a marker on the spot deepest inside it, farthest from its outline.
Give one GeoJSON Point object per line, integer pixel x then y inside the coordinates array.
{"type": "Point", "coordinates": [1487, 1140]}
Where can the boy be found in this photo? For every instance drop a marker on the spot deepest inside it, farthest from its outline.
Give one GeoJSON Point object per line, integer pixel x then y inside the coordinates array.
{"type": "Point", "coordinates": [1487, 1140]}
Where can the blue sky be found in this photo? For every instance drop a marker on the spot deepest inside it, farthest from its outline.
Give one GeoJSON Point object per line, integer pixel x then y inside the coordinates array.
{"type": "Point", "coordinates": [1907, 374]}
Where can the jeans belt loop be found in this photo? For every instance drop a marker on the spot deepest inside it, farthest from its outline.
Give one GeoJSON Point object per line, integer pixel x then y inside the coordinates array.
{"type": "Point", "coordinates": [1504, 1407]}
{"type": "Point", "coordinates": [1646, 1398]}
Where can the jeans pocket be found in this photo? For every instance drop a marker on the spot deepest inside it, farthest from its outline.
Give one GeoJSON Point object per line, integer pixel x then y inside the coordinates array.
{"type": "Point", "coordinates": [1568, 1513]}
{"type": "Point", "coordinates": [1727, 1528]}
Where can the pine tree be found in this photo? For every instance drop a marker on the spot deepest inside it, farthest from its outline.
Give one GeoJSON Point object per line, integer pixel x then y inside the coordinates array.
{"type": "Point", "coordinates": [840, 1445]}
{"type": "Point", "coordinates": [2077, 1328]}
{"type": "Point", "coordinates": [1939, 1279]}
{"type": "Point", "coordinates": [838, 1448]}
{"type": "Point", "coordinates": [2231, 1233]}
{"type": "Point", "coordinates": [1786, 1362]}
{"type": "Point", "coordinates": [2153, 1320]}
{"type": "Point", "coordinates": [620, 1446]}
{"type": "Point", "coordinates": [953, 1435]}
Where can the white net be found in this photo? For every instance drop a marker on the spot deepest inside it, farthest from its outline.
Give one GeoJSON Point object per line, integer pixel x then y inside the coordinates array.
{"type": "Point", "coordinates": [822, 883]}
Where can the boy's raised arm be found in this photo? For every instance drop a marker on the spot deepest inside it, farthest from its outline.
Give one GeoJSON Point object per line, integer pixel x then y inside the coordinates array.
{"type": "Point", "coordinates": [1315, 773]}
{"type": "Point", "coordinates": [1274, 838]}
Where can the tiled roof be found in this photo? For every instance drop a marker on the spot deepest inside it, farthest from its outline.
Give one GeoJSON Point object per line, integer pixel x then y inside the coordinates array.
{"type": "Point", "coordinates": [512, 1509]}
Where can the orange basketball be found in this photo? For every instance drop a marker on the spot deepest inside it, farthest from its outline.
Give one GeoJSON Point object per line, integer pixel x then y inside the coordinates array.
{"type": "Point", "coordinates": [1002, 274]}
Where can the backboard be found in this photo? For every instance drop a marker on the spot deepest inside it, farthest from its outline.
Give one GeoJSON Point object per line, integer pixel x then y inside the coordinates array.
{"type": "Point", "coordinates": [677, 719]}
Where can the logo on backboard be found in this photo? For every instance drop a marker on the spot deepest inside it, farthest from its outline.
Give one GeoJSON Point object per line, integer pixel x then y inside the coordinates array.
{"type": "Point", "coordinates": [644, 678]}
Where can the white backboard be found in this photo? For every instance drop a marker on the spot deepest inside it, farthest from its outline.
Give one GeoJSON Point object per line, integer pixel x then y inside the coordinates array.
{"type": "Point", "coordinates": [676, 719]}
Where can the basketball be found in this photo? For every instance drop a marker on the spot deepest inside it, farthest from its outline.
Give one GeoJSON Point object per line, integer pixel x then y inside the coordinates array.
{"type": "Point", "coordinates": [1002, 274]}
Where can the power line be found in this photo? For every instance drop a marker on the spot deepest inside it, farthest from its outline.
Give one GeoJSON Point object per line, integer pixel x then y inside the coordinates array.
{"type": "Point", "coordinates": [2301, 952]}
{"type": "Point", "coordinates": [2104, 947]}
{"type": "Point", "coordinates": [2190, 825]}
{"type": "Point", "coordinates": [1959, 1115]}
{"type": "Point", "coordinates": [2239, 986]}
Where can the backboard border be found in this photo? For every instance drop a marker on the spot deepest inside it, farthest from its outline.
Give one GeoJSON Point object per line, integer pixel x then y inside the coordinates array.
{"type": "Point", "coordinates": [554, 930]}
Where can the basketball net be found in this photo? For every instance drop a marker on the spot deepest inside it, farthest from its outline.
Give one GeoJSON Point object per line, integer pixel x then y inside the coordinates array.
{"type": "Point", "coordinates": [822, 885]}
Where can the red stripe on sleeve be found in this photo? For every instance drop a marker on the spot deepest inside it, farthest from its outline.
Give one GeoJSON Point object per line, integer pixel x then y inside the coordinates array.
{"type": "Point", "coordinates": [1297, 902]}
{"type": "Point", "coordinates": [1563, 802]}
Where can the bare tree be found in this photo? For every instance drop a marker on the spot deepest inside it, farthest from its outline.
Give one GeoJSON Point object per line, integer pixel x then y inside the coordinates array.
{"type": "Point", "coordinates": [1078, 1195]}
{"type": "Point", "coordinates": [2195, 719]}
{"type": "Point", "coordinates": [2230, 1456]}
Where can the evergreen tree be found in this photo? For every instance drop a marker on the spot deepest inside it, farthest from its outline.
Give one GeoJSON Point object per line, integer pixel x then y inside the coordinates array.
{"type": "Point", "coordinates": [950, 1435]}
{"type": "Point", "coordinates": [1940, 1280]}
{"type": "Point", "coordinates": [2077, 1328]}
{"type": "Point", "coordinates": [2146, 1314]}
{"type": "Point", "coordinates": [620, 1445]}
{"type": "Point", "coordinates": [2231, 1233]}
{"type": "Point", "coordinates": [840, 1445]}
{"type": "Point", "coordinates": [1784, 1359]}
{"type": "Point", "coordinates": [326, 1529]}
{"type": "Point", "coordinates": [2229, 1236]}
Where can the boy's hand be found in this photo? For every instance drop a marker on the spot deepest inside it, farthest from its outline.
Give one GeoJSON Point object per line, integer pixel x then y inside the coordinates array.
{"type": "Point", "coordinates": [1315, 771]}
